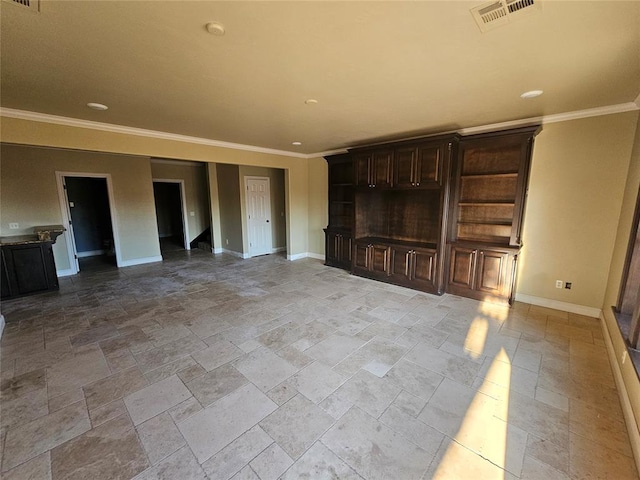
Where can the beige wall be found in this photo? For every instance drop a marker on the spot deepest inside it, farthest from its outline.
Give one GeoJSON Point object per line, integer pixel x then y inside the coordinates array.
{"type": "Point", "coordinates": [318, 204]}
{"type": "Point", "coordinates": [296, 170]}
{"type": "Point", "coordinates": [615, 276]}
{"type": "Point", "coordinates": [29, 195]}
{"type": "Point", "coordinates": [229, 205]}
{"type": "Point", "coordinates": [276, 184]}
{"type": "Point", "coordinates": [214, 206]}
{"type": "Point", "coordinates": [196, 192]}
{"type": "Point", "coordinates": [577, 181]}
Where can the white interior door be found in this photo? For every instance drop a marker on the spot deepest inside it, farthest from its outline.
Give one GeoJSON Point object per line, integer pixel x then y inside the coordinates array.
{"type": "Point", "coordinates": [72, 237]}
{"type": "Point", "coordinates": [259, 215]}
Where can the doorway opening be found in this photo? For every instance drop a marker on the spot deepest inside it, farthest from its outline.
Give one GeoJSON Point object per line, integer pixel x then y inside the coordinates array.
{"type": "Point", "coordinates": [88, 214]}
{"type": "Point", "coordinates": [171, 208]}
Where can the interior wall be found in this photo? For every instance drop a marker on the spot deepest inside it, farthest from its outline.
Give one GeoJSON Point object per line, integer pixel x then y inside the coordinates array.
{"type": "Point", "coordinates": [318, 204]}
{"type": "Point", "coordinates": [196, 192]}
{"type": "Point", "coordinates": [276, 185]}
{"type": "Point", "coordinates": [214, 206]}
{"type": "Point", "coordinates": [578, 174]}
{"type": "Point", "coordinates": [623, 233]}
{"type": "Point", "coordinates": [29, 132]}
{"type": "Point", "coordinates": [230, 210]}
{"type": "Point", "coordinates": [29, 195]}
{"type": "Point", "coordinates": [90, 214]}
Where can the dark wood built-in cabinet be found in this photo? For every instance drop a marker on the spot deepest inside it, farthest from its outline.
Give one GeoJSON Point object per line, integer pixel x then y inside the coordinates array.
{"type": "Point", "coordinates": [435, 214]}
{"type": "Point", "coordinates": [27, 268]}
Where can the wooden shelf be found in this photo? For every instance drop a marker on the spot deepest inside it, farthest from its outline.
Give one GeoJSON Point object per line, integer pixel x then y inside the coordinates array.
{"type": "Point", "coordinates": [491, 175]}
{"type": "Point", "coordinates": [485, 222]}
{"type": "Point", "coordinates": [468, 203]}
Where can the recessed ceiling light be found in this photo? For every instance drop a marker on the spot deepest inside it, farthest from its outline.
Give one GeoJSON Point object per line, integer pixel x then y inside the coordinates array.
{"type": "Point", "coordinates": [215, 28]}
{"type": "Point", "coordinates": [97, 106]}
{"type": "Point", "coordinates": [531, 94]}
{"type": "Point", "coordinates": [297, 144]}
{"type": "Point", "coordinates": [311, 101]}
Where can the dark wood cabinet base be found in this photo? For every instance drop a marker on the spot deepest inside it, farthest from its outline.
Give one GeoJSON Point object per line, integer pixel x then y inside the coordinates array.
{"type": "Point", "coordinates": [27, 269]}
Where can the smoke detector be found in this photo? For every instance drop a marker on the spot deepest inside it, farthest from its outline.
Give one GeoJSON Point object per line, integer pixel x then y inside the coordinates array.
{"type": "Point", "coordinates": [501, 12]}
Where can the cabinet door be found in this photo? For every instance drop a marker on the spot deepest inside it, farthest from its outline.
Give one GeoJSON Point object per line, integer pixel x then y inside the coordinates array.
{"type": "Point", "coordinates": [332, 247]}
{"type": "Point", "coordinates": [400, 265]}
{"type": "Point", "coordinates": [493, 268]}
{"type": "Point", "coordinates": [29, 264]}
{"type": "Point", "coordinates": [345, 250]}
{"type": "Point", "coordinates": [404, 164]}
{"type": "Point", "coordinates": [363, 167]}
{"type": "Point", "coordinates": [428, 167]}
{"type": "Point", "coordinates": [379, 259]}
{"type": "Point", "coordinates": [381, 168]}
{"type": "Point", "coordinates": [361, 256]}
{"type": "Point", "coordinates": [462, 267]}
{"type": "Point", "coordinates": [5, 285]}
{"type": "Point", "coordinates": [424, 267]}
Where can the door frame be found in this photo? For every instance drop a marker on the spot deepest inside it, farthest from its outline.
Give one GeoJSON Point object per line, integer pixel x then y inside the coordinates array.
{"type": "Point", "coordinates": [183, 201]}
{"type": "Point", "coordinates": [246, 189]}
{"type": "Point", "coordinates": [66, 217]}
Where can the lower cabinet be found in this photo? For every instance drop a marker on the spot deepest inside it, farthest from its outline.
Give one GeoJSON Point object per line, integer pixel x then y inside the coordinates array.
{"type": "Point", "coordinates": [338, 249]}
{"type": "Point", "coordinates": [483, 273]}
{"type": "Point", "coordinates": [414, 268]}
{"type": "Point", "coordinates": [371, 260]}
{"type": "Point", "coordinates": [27, 268]}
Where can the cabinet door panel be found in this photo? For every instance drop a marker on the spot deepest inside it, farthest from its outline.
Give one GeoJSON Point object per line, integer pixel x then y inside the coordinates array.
{"type": "Point", "coordinates": [363, 169]}
{"type": "Point", "coordinates": [333, 251]}
{"type": "Point", "coordinates": [403, 167]}
{"type": "Point", "coordinates": [345, 249]}
{"type": "Point", "coordinates": [424, 266]}
{"type": "Point", "coordinates": [400, 265]}
{"type": "Point", "coordinates": [29, 264]}
{"type": "Point", "coordinates": [492, 270]}
{"type": "Point", "coordinates": [429, 166]}
{"type": "Point", "coordinates": [361, 258]}
{"type": "Point", "coordinates": [382, 168]}
{"type": "Point", "coordinates": [462, 267]}
{"type": "Point", "coordinates": [380, 259]}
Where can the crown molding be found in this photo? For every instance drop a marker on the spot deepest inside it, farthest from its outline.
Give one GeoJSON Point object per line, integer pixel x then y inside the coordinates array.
{"type": "Point", "coordinates": [141, 132]}
{"type": "Point", "coordinates": [109, 127]}
{"type": "Point", "coordinates": [181, 163]}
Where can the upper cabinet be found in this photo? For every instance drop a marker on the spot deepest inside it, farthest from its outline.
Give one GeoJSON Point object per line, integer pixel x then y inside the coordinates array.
{"type": "Point", "coordinates": [374, 168]}
{"type": "Point", "coordinates": [490, 182]}
{"type": "Point", "coordinates": [418, 166]}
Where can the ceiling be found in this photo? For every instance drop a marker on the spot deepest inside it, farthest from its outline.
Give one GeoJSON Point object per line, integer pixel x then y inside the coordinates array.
{"type": "Point", "coordinates": [379, 70]}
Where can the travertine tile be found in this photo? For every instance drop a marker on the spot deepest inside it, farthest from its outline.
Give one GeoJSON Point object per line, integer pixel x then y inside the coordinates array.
{"type": "Point", "coordinates": [594, 460]}
{"type": "Point", "coordinates": [282, 393]}
{"type": "Point", "coordinates": [161, 336]}
{"type": "Point", "coordinates": [246, 474]}
{"type": "Point", "coordinates": [114, 387]}
{"type": "Point", "coordinates": [557, 456]}
{"type": "Point", "coordinates": [66, 399]}
{"type": "Point", "coordinates": [217, 354]}
{"type": "Point", "coordinates": [181, 465]}
{"type": "Point", "coordinates": [455, 461]}
{"type": "Point", "coordinates": [44, 433]}
{"type": "Point", "coordinates": [169, 352]}
{"type": "Point", "coordinates": [335, 348]}
{"type": "Point", "coordinates": [534, 469]}
{"type": "Point", "coordinates": [38, 468]}
{"type": "Point", "coordinates": [316, 381]}
{"type": "Point", "coordinates": [370, 393]}
{"type": "Point", "coordinates": [320, 463]}
{"type": "Point", "coordinates": [296, 425]}
{"type": "Point", "coordinates": [211, 429]}
{"type": "Point", "coordinates": [264, 368]}
{"type": "Point", "coordinates": [161, 373]}
{"type": "Point", "coordinates": [230, 460]}
{"type": "Point", "coordinates": [446, 364]}
{"type": "Point", "coordinates": [414, 379]}
{"type": "Point", "coordinates": [184, 410]}
{"type": "Point", "coordinates": [76, 372]}
{"type": "Point", "coordinates": [271, 463]}
{"type": "Point", "coordinates": [22, 384]}
{"type": "Point", "coordinates": [424, 436]}
{"type": "Point", "coordinates": [160, 437]}
{"type": "Point", "coordinates": [216, 384]}
{"type": "Point", "coordinates": [374, 450]}
{"type": "Point", "coordinates": [120, 360]}
{"type": "Point", "coordinates": [190, 373]}
{"type": "Point", "coordinates": [98, 333]}
{"type": "Point", "coordinates": [24, 409]}
{"type": "Point", "coordinates": [409, 403]}
{"type": "Point", "coordinates": [156, 398]}
{"type": "Point", "coordinates": [111, 450]}
{"type": "Point", "coordinates": [107, 412]}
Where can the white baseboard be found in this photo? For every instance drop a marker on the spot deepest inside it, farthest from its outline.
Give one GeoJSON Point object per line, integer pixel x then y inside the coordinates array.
{"type": "Point", "coordinates": [65, 273]}
{"type": "Point", "coordinates": [140, 261]}
{"type": "Point", "coordinates": [217, 250]}
{"type": "Point", "coordinates": [557, 305]}
{"type": "Point", "coordinates": [1, 324]}
{"type": "Point", "coordinates": [235, 254]}
{"type": "Point", "coordinates": [298, 256]}
{"type": "Point", "coordinates": [632, 427]}
{"type": "Point", "coordinates": [91, 253]}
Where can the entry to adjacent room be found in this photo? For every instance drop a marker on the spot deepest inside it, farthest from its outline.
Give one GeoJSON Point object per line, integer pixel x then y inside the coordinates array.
{"type": "Point", "coordinates": [170, 213]}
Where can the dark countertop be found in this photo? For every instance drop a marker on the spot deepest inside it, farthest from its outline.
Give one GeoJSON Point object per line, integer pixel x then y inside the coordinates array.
{"type": "Point", "coordinates": [47, 233]}
{"type": "Point", "coordinates": [20, 240]}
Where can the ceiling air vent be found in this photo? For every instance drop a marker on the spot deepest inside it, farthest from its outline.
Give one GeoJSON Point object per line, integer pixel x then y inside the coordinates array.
{"type": "Point", "coordinates": [31, 5]}
{"type": "Point", "coordinates": [501, 12]}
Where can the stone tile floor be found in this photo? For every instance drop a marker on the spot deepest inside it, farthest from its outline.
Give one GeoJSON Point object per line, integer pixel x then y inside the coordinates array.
{"type": "Point", "coordinates": [213, 367]}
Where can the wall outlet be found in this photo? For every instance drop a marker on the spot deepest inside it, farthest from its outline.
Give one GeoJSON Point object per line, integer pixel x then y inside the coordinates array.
{"type": "Point", "coordinates": [192, 214]}
{"type": "Point", "coordinates": [227, 240]}
{"type": "Point", "coordinates": [559, 283]}
{"type": "Point", "coordinates": [567, 285]}
{"type": "Point", "coordinates": [14, 226]}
